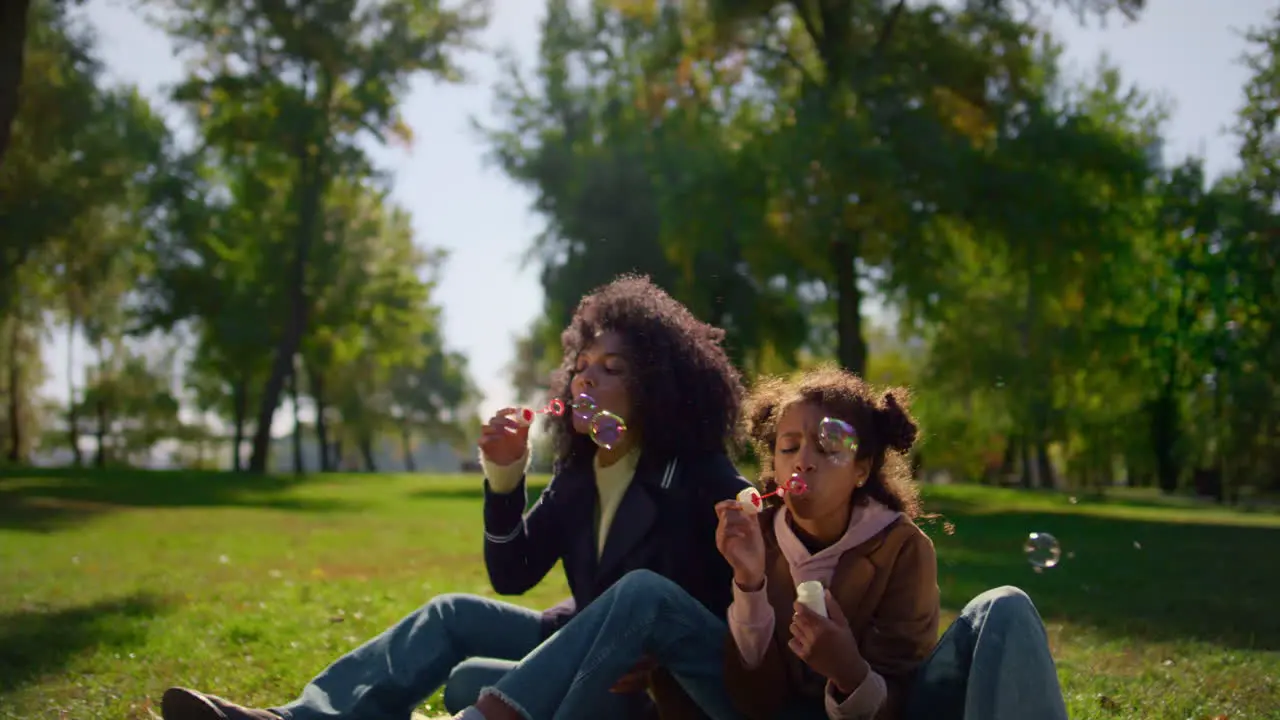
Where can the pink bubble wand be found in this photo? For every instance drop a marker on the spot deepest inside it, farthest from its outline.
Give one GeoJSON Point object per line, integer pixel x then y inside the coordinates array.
{"type": "Point", "coordinates": [525, 415]}
{"type": "Point", "coordinates": [752, 501]}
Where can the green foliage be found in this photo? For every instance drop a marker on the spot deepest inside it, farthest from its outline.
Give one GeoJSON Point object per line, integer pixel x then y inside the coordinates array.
{"type": "Point", "coordinates": [1070, 309]}
{"type": "Point", "coordinates": [1077, 307]}
{"type": "Point", "coordinates": [271, 233]}
{"type": "Point", "coordinates": [130, 405]}
{"type": "Point", "coordinates": [296, 85]}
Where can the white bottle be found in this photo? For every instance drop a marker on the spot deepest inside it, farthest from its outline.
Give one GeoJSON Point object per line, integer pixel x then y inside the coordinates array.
{"type": "Point", "coordinates": [810, 593]}
{"type": "Point", "coordinates": [749, 500]}
{"type": "Point", "coordinates": [523, 417]}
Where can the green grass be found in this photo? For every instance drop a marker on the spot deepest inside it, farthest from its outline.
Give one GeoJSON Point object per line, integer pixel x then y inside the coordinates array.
{"type": "Point", "coordinates": [114, 587]}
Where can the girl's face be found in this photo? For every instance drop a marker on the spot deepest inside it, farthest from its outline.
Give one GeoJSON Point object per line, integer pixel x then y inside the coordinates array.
{"type": "Point", "coordinates": [797, 451]}
{"type": "Point", "coordinates": [602, 372]}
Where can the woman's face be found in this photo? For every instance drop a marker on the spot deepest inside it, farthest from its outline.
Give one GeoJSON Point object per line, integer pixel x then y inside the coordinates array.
{"type": "Point", "coordinates": [602, 372]}
{"type": "Point", "coordinates": [798, 451]}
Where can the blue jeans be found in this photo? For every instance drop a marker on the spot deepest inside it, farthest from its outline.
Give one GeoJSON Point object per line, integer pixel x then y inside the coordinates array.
{"type": "Point", "coordinates": [993, 663]}
{"type": "Point", "coordinates": [569, 676]}
{"type": "Point", "coordinates": [463, 642]}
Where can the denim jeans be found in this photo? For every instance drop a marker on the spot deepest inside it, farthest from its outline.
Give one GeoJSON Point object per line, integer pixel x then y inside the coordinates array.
{"type": "Point", "coordinates": [993, 663]}
{"type": "Point", "coordinates": [463, 642]}
{"type": "Point", "coordinates": [569, 676]}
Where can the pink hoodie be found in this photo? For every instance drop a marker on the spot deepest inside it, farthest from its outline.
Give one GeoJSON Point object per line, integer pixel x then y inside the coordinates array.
{"type": "Point", "coordinates": [751, 618]}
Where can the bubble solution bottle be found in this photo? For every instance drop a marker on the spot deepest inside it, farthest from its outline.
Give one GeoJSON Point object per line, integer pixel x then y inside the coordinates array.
{"type": "Point", "coordinates": [810, 593]}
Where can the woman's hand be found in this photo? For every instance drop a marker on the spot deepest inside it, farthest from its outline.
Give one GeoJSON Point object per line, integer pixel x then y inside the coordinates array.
{"type": "Point", "coordinates": [503, 440]}
{"type": "Point", "coordinates": [739, 540]}
{"type": "Point", "coordinates": [827, 645]}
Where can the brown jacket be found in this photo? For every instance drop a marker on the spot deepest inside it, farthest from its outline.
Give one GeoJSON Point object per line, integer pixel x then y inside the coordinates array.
{"type": "Point", "coordinates": [888, 590]}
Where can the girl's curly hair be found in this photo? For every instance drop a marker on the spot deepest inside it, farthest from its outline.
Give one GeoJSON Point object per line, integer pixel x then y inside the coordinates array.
{"type": "Point", "coordinates": [886, 431]}
{"type": "Point", "coordinates": [686, 395]}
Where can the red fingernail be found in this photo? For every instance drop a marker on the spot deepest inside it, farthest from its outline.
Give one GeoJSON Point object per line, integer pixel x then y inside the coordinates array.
{"type": "Point", "coordinates": [528, 415]}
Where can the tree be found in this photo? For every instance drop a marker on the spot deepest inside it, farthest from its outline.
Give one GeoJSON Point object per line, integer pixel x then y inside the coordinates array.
{"type": "Point", "coordinates": [309, 79]}
{"type": "Point", "coordinates": [375, 354]}
{"type": "Point", "coordinates": [609, 165]}
{"type": "Point", "coordinates": [16, 20]}
{"type": "Point", "coordinates": [81, 155]}
{"type": "Point", "coordinates": [131, 401]}
{"type": "Point", "coordinates": [215, 257]}
{"type": "Point", "coordinates": [1245, 292]}
{"type": "Point", "coordinates": [880, 104]}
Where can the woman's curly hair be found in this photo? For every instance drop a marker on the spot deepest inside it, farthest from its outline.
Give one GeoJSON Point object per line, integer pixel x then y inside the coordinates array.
{"type": "Point", "coordinates": [686, 395]}
{"type": "Point", "coordinates": [886, 431]}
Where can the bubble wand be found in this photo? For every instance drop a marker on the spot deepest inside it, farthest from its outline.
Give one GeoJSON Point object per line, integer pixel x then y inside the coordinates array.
{"type": "Point", "coordinates": [752, 501]}
{"type": "Point", "coordinates": [525, 416]}
{"type": "Point", "coordinates": [606, 429]}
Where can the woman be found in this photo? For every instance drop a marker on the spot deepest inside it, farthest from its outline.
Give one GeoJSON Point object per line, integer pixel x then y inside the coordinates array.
{"type": "Point", "coordinates": [645, 502]}
{"type": "Point", "coordinates": [852, 531]}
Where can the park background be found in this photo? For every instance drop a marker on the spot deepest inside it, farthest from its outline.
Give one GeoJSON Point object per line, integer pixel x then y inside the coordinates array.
{"type": "Point", "coordinates": [264, 267]}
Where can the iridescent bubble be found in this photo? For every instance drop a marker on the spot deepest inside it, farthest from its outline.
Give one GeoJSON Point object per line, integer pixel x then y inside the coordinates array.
{"type": "Point", "coordinates": [1042, 550]}
{"type": "Point", "coordinates": [584, 407]}
{"type": "Point", "coordinates": [607, 429]}
{"type": "Point", "coordinates": [837, 439]}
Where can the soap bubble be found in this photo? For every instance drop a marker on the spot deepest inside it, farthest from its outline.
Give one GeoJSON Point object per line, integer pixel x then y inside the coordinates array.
{"type": "Point", "coordinates": [1042, 550]}
{"type": "Point", "coordinates": [837, 439]}
{"type": "Point", "coordinates": [607, 429]}
{"type": "Point", "coordinates": [584, 407]}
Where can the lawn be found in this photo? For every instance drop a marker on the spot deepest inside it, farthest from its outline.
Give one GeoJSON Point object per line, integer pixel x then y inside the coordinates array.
{"type": "Point", "coordinates": [113, 587]}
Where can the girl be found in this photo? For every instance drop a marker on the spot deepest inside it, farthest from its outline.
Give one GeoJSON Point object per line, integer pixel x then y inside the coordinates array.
{"type": "Point", "coordinates": [642, 500]}
{"type": "Point", "coordinates": [851, 531]}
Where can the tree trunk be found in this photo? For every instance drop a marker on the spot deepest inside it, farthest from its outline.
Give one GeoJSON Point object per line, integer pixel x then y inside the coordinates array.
{"type": "Point", "coordinates": [100, 460]}
{"type": "Point", "coordinates": [1044, 467]}
{"type": "Point", "coordinates": [316, 382]}
{"type": "Point", "coordinates": [16, 439]}
{"type": "Point", "coordinates": [1008, 462]}
{"type": "Point", "coordinates": [312, 172]}
{"type": "Point", "coordinates": [239, 412]}
{"type": "Point", "coordinates": [406, 442]}
{"type": "Point", "coordinates": [73, 408]}
{"type": "Point", "coordinates": [1164, 436]}
{"type": "Point", "coordinates": [1166, 423]}
{"type": "Point", "coordinates": [366, 450]}
{"type": "Point", "coordinates": [13, 43]}
{"type": "Point", "coordinates": [1028, 466]}
{"type": "Point", "coordinates": [298, 466]}
{"type": "Point", "coordinates": [852, 347]}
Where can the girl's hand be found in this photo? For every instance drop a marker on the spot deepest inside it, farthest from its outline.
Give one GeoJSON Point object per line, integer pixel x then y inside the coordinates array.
{"type": "Point", "coordinates": [827, 645]}
{"type": "Point", "coordinates": [739, 540]}
{"type": "Point", "coordinates": [503, 440]}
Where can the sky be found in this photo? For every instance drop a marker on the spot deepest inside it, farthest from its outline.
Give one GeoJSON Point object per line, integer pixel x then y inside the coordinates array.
{"type": "Point", "coordinates": [1186, 50]}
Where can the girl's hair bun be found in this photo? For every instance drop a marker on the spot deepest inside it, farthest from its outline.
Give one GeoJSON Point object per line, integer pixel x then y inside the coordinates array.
{"type": "Point", "coordinates": [899, 429]}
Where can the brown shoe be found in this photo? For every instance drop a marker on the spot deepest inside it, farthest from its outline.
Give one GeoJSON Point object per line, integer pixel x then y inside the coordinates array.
{"type": "Point", "coordinates": [183, 704]}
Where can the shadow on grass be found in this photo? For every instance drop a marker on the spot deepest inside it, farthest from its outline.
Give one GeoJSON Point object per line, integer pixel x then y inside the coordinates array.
{"type": "Point", "coordinates": [34, 642]}
{"type": "Point", "coordinates": [1163, 581]}
{"type": "Point", "coordinates": [45, 500]}
{"type": "Point", "coordinates": [1181, 581]}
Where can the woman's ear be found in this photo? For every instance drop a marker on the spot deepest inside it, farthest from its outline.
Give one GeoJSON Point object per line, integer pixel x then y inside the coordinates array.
{"type": "Point", "coordinates": [861, 472]}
